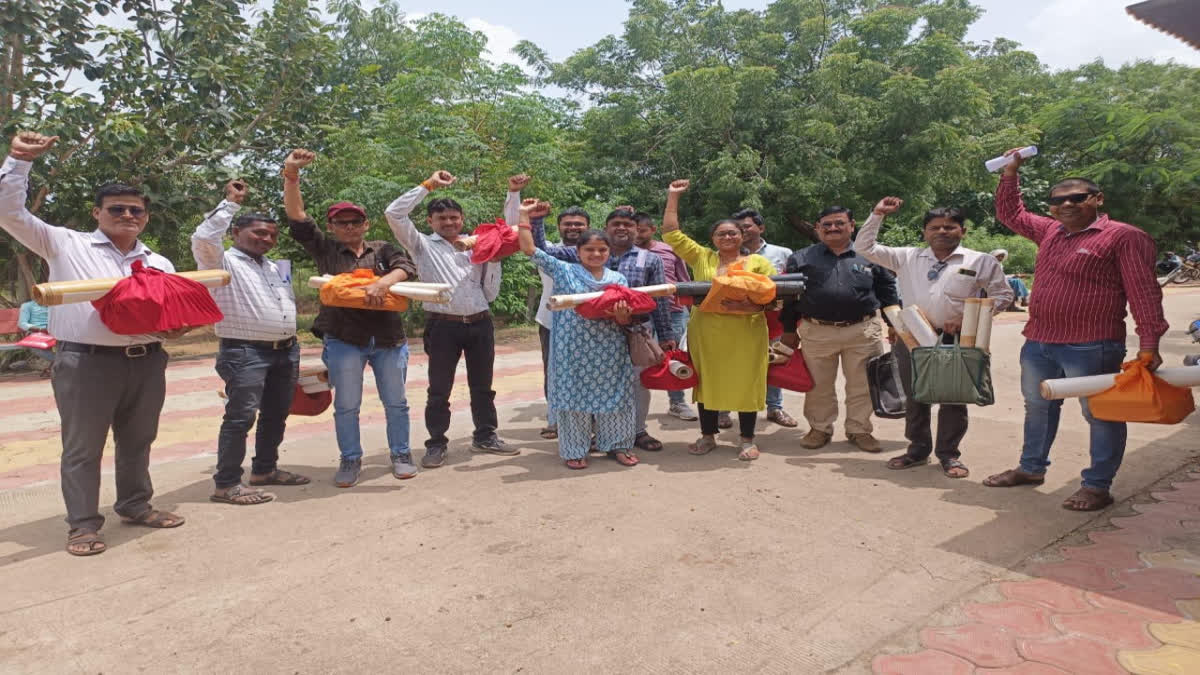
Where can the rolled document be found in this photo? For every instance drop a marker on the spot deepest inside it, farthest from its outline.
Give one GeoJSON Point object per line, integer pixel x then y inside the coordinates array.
{"type": "Point", "coordinates": [970, 322]}
{"type": "Point", "coordinates": [996, 163]}
{"type": "Point", "coordinates": [86, 290]}
{"type": "Point", "coordinates": [916, 323]}
{"type": "Point", "coordinates": [680, 369]}
{"type": "Point", "coordinates": [892, 312]}
{"type": "Point", "coordinates": [415, 290]}
{"type": "Point", "coordinates": [569, 301]}
{"type": "Point", "coordinates": [983, 337]}
{"type": "Point", "coordinates": [1079, 387]}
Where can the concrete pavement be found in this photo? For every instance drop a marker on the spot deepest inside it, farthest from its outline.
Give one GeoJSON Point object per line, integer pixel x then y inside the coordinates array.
{"type": "Point", "coordinates": [801, 562]}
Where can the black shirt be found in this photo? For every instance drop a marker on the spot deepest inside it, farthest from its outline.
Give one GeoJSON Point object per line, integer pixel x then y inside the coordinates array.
{"type": "Point", "coordinates": [354, 326]}
{"type": "Point", "coordinates": [844, 287]}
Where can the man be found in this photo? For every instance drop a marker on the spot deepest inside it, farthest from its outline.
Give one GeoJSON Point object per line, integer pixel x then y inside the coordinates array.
{"type": "Point", "coordinates": [641, 268]}
{"type": "Point", "coordinates": [572, 222]}
{"type": "Point", "coordinates": [753, 227]}
{"type": "Point", "coordinates": [1020, 291]}
{"type": "Point", "coordinates": [35, 318]}
{"type": "Point", "coordinates": [1088, 267]}
{"type": "Point", "coordinates": [460, 327]}
{"type": "Point", "coordinates": [839, 320]}
{"type": "Point", "coordinates": [938, 279]}
{"type": "Point", "coordinates": [101, 380]}
{"type": "Point", "coordinates": [674, 270]}
{"type": "Point", "coordinates": [353, 338]}
{"type": "Point", "coordinates": [258, 357]}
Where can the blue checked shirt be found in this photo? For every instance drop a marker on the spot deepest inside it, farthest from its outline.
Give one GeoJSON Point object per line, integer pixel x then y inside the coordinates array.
{"type": "Point", "coordinates": [640, 267]}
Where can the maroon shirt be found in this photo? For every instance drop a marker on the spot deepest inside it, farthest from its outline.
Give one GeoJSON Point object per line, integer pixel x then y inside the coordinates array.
{"type": "Point", "coordinates": [674, 269]}
{"type": "Point", "coordinates": [1082, 280]}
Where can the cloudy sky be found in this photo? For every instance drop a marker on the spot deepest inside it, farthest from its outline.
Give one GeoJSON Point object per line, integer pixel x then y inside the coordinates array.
{"type": "Point", "coordinates": [1063, 33]}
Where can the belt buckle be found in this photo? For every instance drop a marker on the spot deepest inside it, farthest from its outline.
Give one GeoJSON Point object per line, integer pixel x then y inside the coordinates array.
{"type": "Point", "coordinates": [136, 351]}
{"type": "Point", "coordinates": [466, 318]}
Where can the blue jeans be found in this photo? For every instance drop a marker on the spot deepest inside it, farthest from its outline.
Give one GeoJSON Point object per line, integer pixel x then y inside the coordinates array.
{"type": "Point", "coordinates": [346, 363]}
{"type": "Point", "coordinates": [1045, 361]}
{"type": "Point", "coordinates": [1018, 287]}
{"type": "Point", "coordinates": [258, 381]}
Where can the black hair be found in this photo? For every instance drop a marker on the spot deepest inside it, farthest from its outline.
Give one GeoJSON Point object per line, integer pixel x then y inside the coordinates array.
{"type": "Point", "coordinates": [588, 235]}
{"type": "Point", "coordinates": [727, 221]}
{"type": "Point", "coordinates": [574, 211]}
{"type": "Point", "coordinates": [119, 190]}
{"type": "Point", "coordinates": [620, 213]}
{"type": "Point", "coordinates": [248, 219]}
{"type": "Point", "coordinates": [1073, 181]}
{"type": "Point", "coordinates": [836, 209]}
{"type": "Point", "coordinates": [444, 204]}
{"type": "Point", "coordinates": [642, 218]}
{"type": "Point", "coordinates": [743, 214]}
{"type": "Point", "coordinates": [949, 212]}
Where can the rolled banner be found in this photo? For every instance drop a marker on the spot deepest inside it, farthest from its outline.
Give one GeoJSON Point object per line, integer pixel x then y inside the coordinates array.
{"type": "Point", "coordinates": [680, 369]}
{"type": "Point", "coordinates": [570, 301]}
{"type": "Point", "coordinates": [415, 290]}
{"type": "Point", "coordinates": [1082, 387]}
{"type": "Point", "coordinates": [916, 323]}
{"type": "Point", "coordinates": [983, 337]}
{"type": "Point", "coordinates": [970, 322]}
{"type": "Point", "coordinates": [784, 288]}
{"type": "Point", "coordinates": [85, 290]}
{"type": "Point", "coordinates": [892, 312]}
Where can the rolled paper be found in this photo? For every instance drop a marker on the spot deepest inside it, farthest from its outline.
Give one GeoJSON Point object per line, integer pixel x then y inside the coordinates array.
{"type": "Point", "coordinates": [1079, 387]}
{"type": "Point", "coordinates": [916, 323]}
{"type": "Point", "coordinates": [996, 163]}
{"type": "Point", "coordinates": [680, 369]}
{"type": "Point", "coordinates": [415, 290]}
{"type": "Point", "coordinates": [892, 312]}
{"type": "Point", "coordinates": [85, 290]}
{"type": "Point", "coordinates": [699, 289]}
{"type": "Point", "coordinates": [572, 300]}
{"type": "Point", "coordinates": [983, 336]}
{"type": "Point", "coordinates": [970, 322]}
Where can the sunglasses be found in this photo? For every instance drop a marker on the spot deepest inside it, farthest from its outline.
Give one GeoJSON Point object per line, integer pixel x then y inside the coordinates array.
{"type": "Point", "coordinates": [118, 211]}
{"type": "Point", "coordinates": [1075, 198]}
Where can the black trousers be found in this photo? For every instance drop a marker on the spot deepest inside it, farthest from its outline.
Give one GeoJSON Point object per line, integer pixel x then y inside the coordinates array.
{"type": "Point", "coordinates": [445, 342]}
{"type": "Point", "coordinates": [544, 338]}
{"type": "Point", "coordinates": [952, 419]}
{"type": "Point", "coordinates": [708, 422]}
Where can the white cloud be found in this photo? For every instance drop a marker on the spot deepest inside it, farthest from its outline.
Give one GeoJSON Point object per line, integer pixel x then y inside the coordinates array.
{"type": "Point", "coordinates": [1067, 33]}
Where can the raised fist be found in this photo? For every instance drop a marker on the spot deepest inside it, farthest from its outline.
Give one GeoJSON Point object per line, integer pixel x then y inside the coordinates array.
{"type": "Point", "coordinates": [625, 207]}
{"type": "Point", "coordinates": [298, 159]}
{"type": "Point", "coordinates": [1017, 161]}
{"type": "Point", "coordinates": [679, 186]}
{"type": "Point", "coordinates": [528, 205]}
{"type": "Point", "coordinates": [29, 145]}
{"type": "Point", "coordinates": [235, 190]}
{"type": "Point", "coordinates": [888, 206]}
{"type": "Point", "coordinates": [518, 182]}
{"type": "Point", "coordinates": [441, 179]}
{"type": "Point", "coordinates": [541, 210]}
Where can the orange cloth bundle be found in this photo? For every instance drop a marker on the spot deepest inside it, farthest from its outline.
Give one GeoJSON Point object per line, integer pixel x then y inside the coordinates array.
{"type": "Point", "coordinates": [738, 285]}
{"type": "Point", "coordinates": [346, 290]}
{"type": "Point", "coordinates": [1139, 395]}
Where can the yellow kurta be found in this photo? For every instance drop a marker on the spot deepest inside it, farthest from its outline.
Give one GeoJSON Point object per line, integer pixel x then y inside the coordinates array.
{"type": "Point", "coordinates": [729, 350]}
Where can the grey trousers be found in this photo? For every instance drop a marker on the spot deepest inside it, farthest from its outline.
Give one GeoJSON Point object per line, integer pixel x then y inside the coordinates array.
{"type": "Point", "coordinates": [96, 392]}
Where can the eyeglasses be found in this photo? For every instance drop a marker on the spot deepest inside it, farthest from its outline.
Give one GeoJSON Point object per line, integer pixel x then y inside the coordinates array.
{"type": "Point", "coordinates": [727, 234]}
{"type": "Point", "coordinates": [1074, 198]}
{"type": "Point", "coordinates": [936, 270]}
{"type": "Point", "coordinates": [832, 226]}
{"type": "Point", "coordinates": [358, 222]}
{"type": "Point", "coordinates": [118, 211]}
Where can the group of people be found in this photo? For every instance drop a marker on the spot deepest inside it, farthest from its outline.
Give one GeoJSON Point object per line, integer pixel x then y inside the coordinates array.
{"type": "Point", "coordinates": [1088, 269]}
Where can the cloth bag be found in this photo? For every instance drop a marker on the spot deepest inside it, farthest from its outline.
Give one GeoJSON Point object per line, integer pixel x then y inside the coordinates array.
{"type": "Point", "coordinates": [738, 285]}
{"type": "Point", "coordinates": [150, 301]}
{"type": "Point", "coordinates": [952, 374]}
{"type": "Point", "coordinates": [643, 351]}
{"type": "Point", "coordinates": [348, 290]}
{"type": "Point", "coordinates": [37, 340]}
{"type": "Point", "coordinates": [886, 386]}
{"type": "Point", "coordinates": [601, 307]}
{"type": "Point", "coordinates": [309, 405]}
{"type": "Point", "coordinates": [493, 241]}
{"type": "Point", "coordinates": [659, 376]}
{"type": "Point", "coordinates": [1138, 395]}
{"type": "Point", "coordinates": [792, 374]}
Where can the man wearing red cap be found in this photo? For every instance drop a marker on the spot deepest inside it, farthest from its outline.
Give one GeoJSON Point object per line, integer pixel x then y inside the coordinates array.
{"type": "Point", "coordinates": [355, 337]}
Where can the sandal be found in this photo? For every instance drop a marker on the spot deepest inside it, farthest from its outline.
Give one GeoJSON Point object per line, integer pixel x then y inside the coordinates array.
{"type": "Point", "coordinates": [85, 542]}
{"type": "Point", "coordinates": [549, 432]}
{"type": "Point", "coordinates": [240, 495]}
{"type": "Point", "coordinates": [749, 451]}
{"type": "Point", "coordinates": [1088, 499]}
{"type": "Point", "coordinates": [624, 457]}
{"type": "Point", "coordinates": [1013, 478]}
{"type": "Point", "coordinates": [703, 446]}
{"type": "Point", "coordinates": [155, 519]}
{"type": "Point", "coordinates": [645, 441]}
{"type": "Point", "coordinates": [955, 469]}
{"type": "Point", "coordinates": [281, 477]}
{"type": "Point", "coordinates": [906, 461]}
{"type": "Point", "coordinates": [577, 464]}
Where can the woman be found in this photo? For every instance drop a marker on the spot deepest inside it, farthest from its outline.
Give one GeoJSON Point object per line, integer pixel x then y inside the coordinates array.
{"type": "Point", "coordinates": [729, 350]}
{"type": "Point", "coordinates": [591, 378]}
{"type": "Point", "coordinates": [1020, 292]}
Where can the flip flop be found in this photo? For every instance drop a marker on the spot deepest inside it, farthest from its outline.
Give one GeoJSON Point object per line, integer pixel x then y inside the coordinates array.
{"type": "Point", "coordinates": [281, 477]}
{"type": "Point", "coordinates": [645, 441]}
{"type": "Point", "coordinates": [95, 545]}
{"type": "Point", "coordinates": [1093, 500]}
{"type": "Point", "coordinates": [240, 495]}
{"type": "Point", "coordinates": [577, 464]}
{"type": "Point", "coordinates": [906, 461]}
{"type": "Point", "coordinates": [630, 459]}
{"type": "Point", "coordinates": [155, 519]}
{"type": "Point", "coordinates": [1013, 478]}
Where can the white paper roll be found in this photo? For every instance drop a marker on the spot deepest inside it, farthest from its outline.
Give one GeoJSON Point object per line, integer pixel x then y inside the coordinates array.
{"type": "Point", "coordinates": [1075, 387]}
{"type": "Point", "coordinates": [996, 163]}
{"type": "Point", "coordinates": [918, 325]}
{"type": "Point", "coordinates": [970, 322]}
{"type": "Point", "coordinates": [572, 300]}
{"type": "Point", "coordinates": [415, 290]}
{"type": "Point", "coordinates": [983, 337]}
{"type": "Point", "coordinates": [892, 312]}
{"type": "Point", "coordinates": [680, 369]}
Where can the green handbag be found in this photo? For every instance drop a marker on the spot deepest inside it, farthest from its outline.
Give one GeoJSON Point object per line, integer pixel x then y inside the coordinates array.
{"type": "Point", "coordinates": [952, 374]}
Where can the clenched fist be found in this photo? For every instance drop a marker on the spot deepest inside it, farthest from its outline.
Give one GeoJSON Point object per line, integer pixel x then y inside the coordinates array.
{"type": "Point", "coordinates": [298, 159]}
{"type": "Point", "coordinates": [679, 186]}
{"type": "Point", "coordinates": [29, 145]}
{"type": "Point", "coordinates": [518, 182]}
{"type": "Point", "coordinates": [235, 191]}
{"type": "Point", "coordinates": [888, 206]}
{"type": "Point", "coordinates": [441, 179]}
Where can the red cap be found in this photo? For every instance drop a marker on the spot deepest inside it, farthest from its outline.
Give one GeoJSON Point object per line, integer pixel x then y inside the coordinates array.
{"type": "Point", "coordinates": [341, 207]}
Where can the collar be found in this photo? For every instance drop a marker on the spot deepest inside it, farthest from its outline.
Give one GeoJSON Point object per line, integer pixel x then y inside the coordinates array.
{"type": "Point", "coordinates": [927, 252]}
{"type": "Point", "coordinates": [1102, 221]}
{"type": "Point", "coordinates": [242, 254]}
{"type": "Point", "coordinates": [367, 248]}
{"type": "Point", "coordinates": [100, 239]}
{"type": "Point", "coordinates": [849, 253]}
{"type": "Point", "coordinates": [766, 245]}
{"type": "Point", "coordinates": [632, 250]}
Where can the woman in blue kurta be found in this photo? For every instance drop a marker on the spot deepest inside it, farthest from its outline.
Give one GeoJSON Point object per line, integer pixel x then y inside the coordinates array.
{"type": "Point", "coordinates": [590, 374]}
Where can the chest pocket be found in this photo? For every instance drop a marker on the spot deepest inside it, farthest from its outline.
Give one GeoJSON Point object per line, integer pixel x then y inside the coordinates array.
{"type": "Point", "coordinates": [958, 285]}
{"type": "Point", "coordinates": [861, 277]}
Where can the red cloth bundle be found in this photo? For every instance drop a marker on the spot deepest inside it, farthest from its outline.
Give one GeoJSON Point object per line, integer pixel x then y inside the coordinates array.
{"type": "Point", "coordinates": [37, 340]}
{"type": "Point", "coordinates": [494, 241]}
{"type": "Point", "coordinates": [601, 307]}
{"type": "Point", "coordinates": [793, 375]}
{"type": "Point", "coordinates": [150, 301]}
{"type": "Point", "coordinates": [774, 325]}
{"type": "Point", "coordinates": [661, 377]}
{"type": "Point", "coordinates": [310, 404]}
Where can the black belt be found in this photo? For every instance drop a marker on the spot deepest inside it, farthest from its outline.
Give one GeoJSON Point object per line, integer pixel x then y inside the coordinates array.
{"type": "Point", "coordinates": [459, 318]}
{"type": "Point", "coordinates": [838, 324]}
{"type": "Point", "coordinates": [285, 343]}
{"type": "Point", "coordinates": [130, 351]}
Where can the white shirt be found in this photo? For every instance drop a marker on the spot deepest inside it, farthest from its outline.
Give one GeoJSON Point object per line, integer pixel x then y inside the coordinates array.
{"type": "Point", "coordinates": [544, 313]}
{"type": "Point", "coordinates": [777, 255]}
{"type": "Point", "coordinates": [942, 298]}
{"type": "Point", "coordinates": [474, 286]}
{"type": "Point", "coordinates": [258, 303]}
{"type": "Point", "coordinates": [72, 256]}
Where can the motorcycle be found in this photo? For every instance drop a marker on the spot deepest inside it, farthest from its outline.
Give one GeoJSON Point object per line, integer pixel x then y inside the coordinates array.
{"type": "Point", "coordinates": [1194, 332]}
{"type": "Point", "coordinates": [1187, 270]}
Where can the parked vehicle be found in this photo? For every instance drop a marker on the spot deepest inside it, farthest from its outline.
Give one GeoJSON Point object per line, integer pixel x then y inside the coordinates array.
{"type": "Point", "coordinates": [1187, 270]}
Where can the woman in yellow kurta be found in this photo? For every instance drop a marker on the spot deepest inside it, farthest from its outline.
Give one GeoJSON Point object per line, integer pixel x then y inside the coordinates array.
{"type": "Point", "coordinates": [729, 350]}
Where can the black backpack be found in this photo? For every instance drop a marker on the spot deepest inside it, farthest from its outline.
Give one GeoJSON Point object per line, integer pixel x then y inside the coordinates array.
{"type": "Point", "coordinates": [887, 390]}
